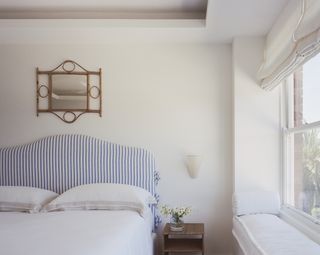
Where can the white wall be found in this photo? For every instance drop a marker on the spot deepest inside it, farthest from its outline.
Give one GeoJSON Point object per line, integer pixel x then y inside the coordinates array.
{"type": "Point", "coordinates": [171, 98]}
{"type": "Point", "coordinates": [256, 121]}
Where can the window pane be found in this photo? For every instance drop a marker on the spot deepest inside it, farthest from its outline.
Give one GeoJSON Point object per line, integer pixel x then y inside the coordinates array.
{"type": "Point", "coordinates": [307, 93]}
{"type": "Point", "coordinates": [305, 180]}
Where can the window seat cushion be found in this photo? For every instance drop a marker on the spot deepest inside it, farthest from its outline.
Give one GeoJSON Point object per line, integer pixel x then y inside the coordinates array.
{"type": "Point", "coordinates": [266, 234]}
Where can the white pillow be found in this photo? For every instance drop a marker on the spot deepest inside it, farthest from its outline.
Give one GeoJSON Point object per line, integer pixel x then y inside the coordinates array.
{"type": "Point", "coordinates": [256, 202]}
{"type": "Point", "coordinates": [24, 199]}
{"type": "Point", "coordinates": [103, 196]}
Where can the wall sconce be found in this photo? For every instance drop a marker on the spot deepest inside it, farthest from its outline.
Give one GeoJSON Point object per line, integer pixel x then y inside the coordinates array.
{"type": "Point", "coordinates": [193, 164]}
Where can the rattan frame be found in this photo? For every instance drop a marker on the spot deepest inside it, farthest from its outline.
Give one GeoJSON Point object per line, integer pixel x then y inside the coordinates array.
{"type": "Point", "coordinates": [76, 69]}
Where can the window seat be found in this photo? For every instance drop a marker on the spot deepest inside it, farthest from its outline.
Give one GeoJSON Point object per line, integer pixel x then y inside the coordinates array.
{"type": "Point", "coordinates": [267, 234]}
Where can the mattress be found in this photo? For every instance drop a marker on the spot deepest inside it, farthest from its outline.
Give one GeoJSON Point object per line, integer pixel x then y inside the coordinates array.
{"type": "Point", "coordinates": [266, 234]}
{"type": "Point", "coordinates": [76, 233]}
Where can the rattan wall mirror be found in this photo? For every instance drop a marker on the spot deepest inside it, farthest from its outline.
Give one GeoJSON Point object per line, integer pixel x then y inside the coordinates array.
{"type": "Point", "coordinates": [68, 91]}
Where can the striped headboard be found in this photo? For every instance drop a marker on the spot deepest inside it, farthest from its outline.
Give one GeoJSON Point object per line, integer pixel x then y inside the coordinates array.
{"type": "Point", "coordinates": [61, 162]}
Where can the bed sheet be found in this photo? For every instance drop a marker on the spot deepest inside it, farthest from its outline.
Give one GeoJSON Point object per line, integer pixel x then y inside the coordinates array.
{"type": "Point", "coordinates": [76, 233]}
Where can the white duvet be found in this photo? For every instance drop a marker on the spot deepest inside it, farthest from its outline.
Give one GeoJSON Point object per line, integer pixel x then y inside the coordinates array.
{"type": "Point", "coordinates": [265, 234]}
{"type": "Point", "coordinates": [75, 233]}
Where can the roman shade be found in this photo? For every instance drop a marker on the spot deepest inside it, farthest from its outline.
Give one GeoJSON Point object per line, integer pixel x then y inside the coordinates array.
{"type": "Point", "coordinates": [293, 39]}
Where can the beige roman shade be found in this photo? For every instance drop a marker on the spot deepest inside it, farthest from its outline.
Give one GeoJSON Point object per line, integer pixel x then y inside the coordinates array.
{"type": "Point", "coordinates": [293, 39]}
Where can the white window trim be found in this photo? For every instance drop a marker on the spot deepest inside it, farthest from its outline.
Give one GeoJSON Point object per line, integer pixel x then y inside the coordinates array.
{"type": "Point", "coordinates": [302, 221]}
{"type": "Point", "coordinates": [286, 108]}
{"type": "Point", "coordinates": [302, 214]}
{"type": "Point", "coordinates": [304, 128]}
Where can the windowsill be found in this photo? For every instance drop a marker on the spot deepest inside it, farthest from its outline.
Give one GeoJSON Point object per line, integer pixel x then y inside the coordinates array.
{"type": "Point", "coordinates": [299, 220]}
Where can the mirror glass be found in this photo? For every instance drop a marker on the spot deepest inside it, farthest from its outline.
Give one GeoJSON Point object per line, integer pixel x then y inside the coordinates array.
{"type": "Point", "coordinates": [69, 92]}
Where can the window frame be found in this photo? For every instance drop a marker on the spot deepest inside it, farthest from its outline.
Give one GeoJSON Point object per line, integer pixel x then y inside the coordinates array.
{"type": "Point", "coordinates": [288, 130]}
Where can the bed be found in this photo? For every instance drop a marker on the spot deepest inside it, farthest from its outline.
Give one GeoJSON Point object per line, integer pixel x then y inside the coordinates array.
{"type": "Point", "coordinates": [75, 233]}
{"type": "Point", "coordinates": [60, 163]}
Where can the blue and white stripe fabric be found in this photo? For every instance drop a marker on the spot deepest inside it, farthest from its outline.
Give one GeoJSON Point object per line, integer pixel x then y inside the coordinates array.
{"type": "Point", "coordinates": [61, 162]}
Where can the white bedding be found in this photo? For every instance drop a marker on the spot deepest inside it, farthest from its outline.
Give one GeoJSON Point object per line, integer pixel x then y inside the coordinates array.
{"type": "Point", "coordinates": [264, 234]}
{"type": "Point", "coordinates": [75, 233]}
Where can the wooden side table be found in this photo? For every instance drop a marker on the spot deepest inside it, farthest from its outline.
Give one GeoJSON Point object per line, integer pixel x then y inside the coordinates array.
{"type": "Point", "coordinates": [191, 239]}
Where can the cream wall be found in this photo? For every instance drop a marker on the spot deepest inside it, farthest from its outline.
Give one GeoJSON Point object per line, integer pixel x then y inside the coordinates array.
{"type": "Point", "coordinates": [170, 98]}
{"type": "Point", "coordinates": [256, 123]}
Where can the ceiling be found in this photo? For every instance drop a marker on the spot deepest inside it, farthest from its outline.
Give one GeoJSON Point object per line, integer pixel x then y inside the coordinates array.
{"type": "Point", "coordinates": [135, 5]}
{"type": "Point", "coordinates": [94, 9]}
{"type": "Point", "coordinates": [58, 21]}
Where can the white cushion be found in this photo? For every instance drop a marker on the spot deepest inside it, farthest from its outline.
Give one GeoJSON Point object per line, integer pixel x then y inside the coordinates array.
{"type": "Point", "coordinates": [24, 199]}
{"type": "Point", "coordinates": [256, 202]}
{"type": "Point", "coordinates": [103, 196]}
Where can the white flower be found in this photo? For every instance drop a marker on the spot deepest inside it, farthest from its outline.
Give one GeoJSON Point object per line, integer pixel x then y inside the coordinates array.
{"type": "Point", "coordinates": [176, 212]}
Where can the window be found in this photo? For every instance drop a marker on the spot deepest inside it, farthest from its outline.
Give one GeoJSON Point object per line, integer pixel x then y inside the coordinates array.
{"type": "Point", "coordinates": [302, 140]}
